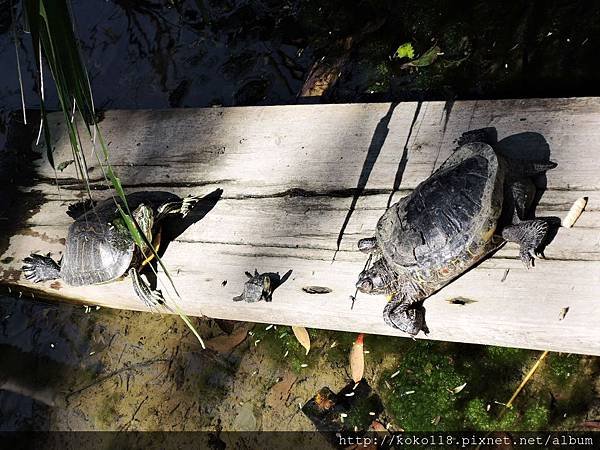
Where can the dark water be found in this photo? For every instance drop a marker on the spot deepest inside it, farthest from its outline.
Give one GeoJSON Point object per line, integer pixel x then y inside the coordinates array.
{"type": "Point", "coordinates": [146, 54]}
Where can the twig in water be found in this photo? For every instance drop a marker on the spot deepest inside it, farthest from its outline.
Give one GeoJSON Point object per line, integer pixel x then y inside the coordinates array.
{"type": "Point", "coordinates": [134, 414]}
{"type": "Point", "coordinates": [116, 372]}
{"type": "Point", "coordinates": [526, 379]}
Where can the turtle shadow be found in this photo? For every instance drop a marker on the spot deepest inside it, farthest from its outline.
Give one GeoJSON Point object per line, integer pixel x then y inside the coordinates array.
{"type": "Point", "coordinates": [525, 146]}
{"type": "Point", "coordinates": [277, 280]}
{"type": "Point", "coordinates": [377, 141]}
{"type": "Point", "coordinates": [173, 227]}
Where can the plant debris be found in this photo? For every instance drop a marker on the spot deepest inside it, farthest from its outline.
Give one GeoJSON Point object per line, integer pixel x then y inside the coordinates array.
{"type": "Point", "coordinates": [406, 50]}
{"type": "Point", "coordinates": [357, 359]}
{"type": "Point", "coordinates": [457, 389]}
{"type": "Point", "coordinates": [302, 337]}
{"type": "Point", "coordinates": [316, 290]}
{"type": "Point", "coordinates": [574, 213]}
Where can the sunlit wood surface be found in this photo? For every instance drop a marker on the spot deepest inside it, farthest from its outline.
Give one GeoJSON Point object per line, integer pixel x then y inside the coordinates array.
{"type": "Point", "coordinates": [291, 176]}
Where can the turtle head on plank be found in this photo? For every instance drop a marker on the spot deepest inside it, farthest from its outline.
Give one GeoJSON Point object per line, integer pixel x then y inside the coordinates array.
{"type": "Point", "coordinates": [99, 247]}
{"type": "Point", "coordinates": [468, 208]}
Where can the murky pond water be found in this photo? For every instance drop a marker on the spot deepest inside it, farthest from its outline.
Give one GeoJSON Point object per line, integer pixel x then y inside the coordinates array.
{"type": "Point", "coordinates": [67, 367]}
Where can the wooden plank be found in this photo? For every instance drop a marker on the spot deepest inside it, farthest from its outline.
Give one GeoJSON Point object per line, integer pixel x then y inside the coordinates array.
{"type": "Point", "coordinates": [291, 174]}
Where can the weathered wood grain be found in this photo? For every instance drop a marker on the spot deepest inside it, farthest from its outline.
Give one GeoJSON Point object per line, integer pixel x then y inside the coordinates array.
{"type": "Point", "coordinates": [291, 174]}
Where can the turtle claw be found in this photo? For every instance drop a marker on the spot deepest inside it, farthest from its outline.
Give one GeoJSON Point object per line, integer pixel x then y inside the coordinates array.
{"type": "Point", "coordinates": [152, 298]}
{"type": "Point", "coordinates": [37, 268]}
{"type": "Point", "coordinates": [187, 204]}
{"type": "Point", "coordinates": [529, 235]}
{"type": "Point", "coordinates": [528, 259]}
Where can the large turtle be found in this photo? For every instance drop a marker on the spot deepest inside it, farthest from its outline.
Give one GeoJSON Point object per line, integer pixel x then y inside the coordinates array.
{"type": "Point", "coordinates": [99, 247]}
{"type": "Point", "coordinates": [469, 207]}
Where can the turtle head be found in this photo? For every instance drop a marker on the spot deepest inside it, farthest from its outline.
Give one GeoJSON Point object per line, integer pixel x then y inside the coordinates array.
{"type": "Point", "coordinates": [373, 280]}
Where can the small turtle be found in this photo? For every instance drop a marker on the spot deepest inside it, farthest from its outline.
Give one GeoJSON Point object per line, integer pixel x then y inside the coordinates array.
{"type": "Point", "coordinates": [475, 202]}
{"type": "Point", "coordinates": [258, 287]}
{"type": "Point", "coordinates": [99, 247]}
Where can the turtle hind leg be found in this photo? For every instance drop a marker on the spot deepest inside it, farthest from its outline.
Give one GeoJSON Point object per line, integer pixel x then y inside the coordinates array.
{"type": "Point", "coordinates": [151, 297]}
{"type": "Point", "coordinates": [529, 234]}
{"type": "Point", "coordinates": [404, 316]}
{"type": "Point", "coordinates": [38, 268]}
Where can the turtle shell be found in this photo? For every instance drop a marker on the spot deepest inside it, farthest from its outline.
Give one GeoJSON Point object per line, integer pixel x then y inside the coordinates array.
{"type": "Point", "coordinates": [451, 214]}
{"type": "Point", "coordinates": [98, 250]}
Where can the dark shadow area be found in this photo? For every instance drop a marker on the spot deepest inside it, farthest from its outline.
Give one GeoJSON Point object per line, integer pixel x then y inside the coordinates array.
{"type": "Point", "coordinates": [404, 158]}
{"type": "Point", "coordinates": [35, 376]}
{"type": "Point", "coordinates": [277, 280]}
{"type": "Point", "coordinates": [527, 146]}
{"type": "Point", "coordinates": [17, 161]}
{"type": "Point", "coordinates": [448, 105]}
{"type": "Point", "coordinates": [379, 136]}
{"type": "Point", "coordinates": [173, 227]}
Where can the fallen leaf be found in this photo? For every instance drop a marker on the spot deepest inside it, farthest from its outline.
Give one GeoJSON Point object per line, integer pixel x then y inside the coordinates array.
{"type": "Point", "coordinates": [316, 289]}
{"type": "Point", "coordinates": [377, 426]}
{"type": "Point", "coordinates": [457, 389]}
{"type": "Point", "coordinates": [226, 343]}
{"type": "Point", "coordinates": [563, 313]}
{"type": "Point", "coordinates": [279, 394]}
{"type": "Point", "coordinates": [227, 326]}
{"type": "Point", "coordinates": [357, 359]}
{"type": "Point", "coordinates": [426, 59]}
{"type": "Point", "coordinates": [303, 337]}
{"type": "Point", "coordinates": [574, 213]}
{"type": "Point", "coordinates": [406, 50]}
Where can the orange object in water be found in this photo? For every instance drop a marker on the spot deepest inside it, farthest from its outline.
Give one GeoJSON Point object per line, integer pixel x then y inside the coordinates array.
{"type": "Point", "coordinates": [357, 359]}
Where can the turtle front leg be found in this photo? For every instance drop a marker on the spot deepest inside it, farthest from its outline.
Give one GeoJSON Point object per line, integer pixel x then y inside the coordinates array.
{"type": "Point", "coordinates": [182, 207]}
{"type": "Point", "coordinates": [151, 297]}
{"type": "Point", "coordinates": [38, 268]}
{"type": "Point", "coordinates": [529, 234]}
{"type": "Point", "coordinates": [405, 316]}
